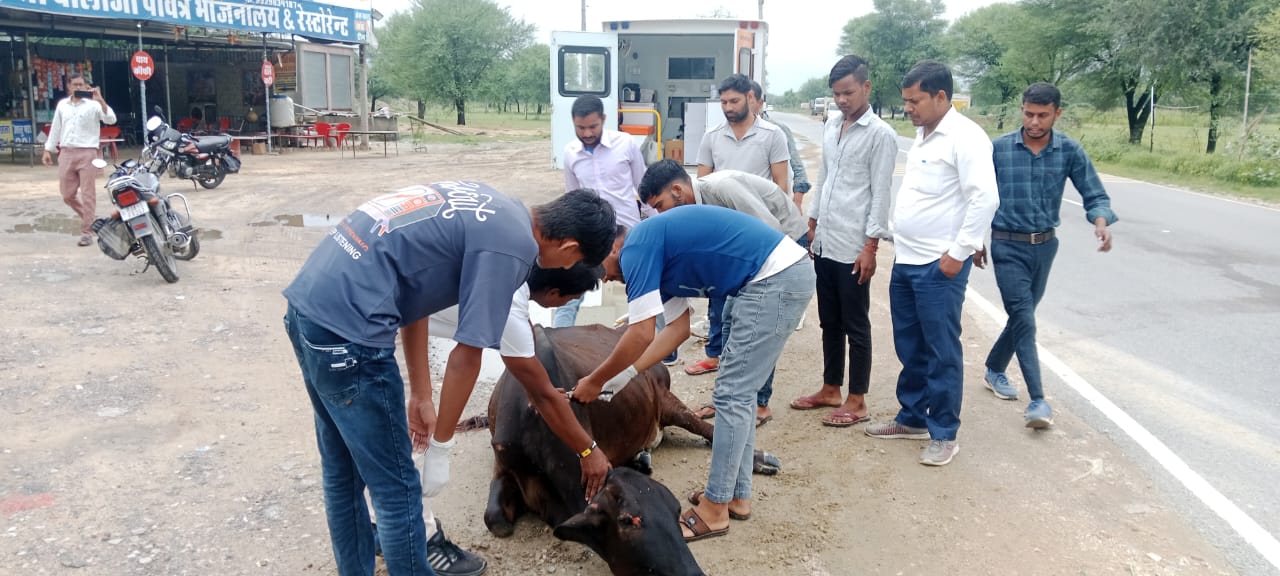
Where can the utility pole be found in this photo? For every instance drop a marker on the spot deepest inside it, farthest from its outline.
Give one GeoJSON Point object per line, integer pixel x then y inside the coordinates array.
{"type": "Point", "coordinates": [1153, 116]}
{"type": "Point", "coordinates": [142, 84]}
{"type": "Point", "coordinates": [584, 15]}
{"type": "Point", "coordinates": [760, 14]}
{"type": "Point", "coordinates": [1244, 123]}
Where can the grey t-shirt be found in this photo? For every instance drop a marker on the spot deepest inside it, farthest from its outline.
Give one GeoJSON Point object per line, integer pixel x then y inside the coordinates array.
{"type": "Point", "coordinates": [763, 145]}
{"type": "Point", "coordinates": [759, 197]}
{"type": "Point", "coordinates": [403, 256]}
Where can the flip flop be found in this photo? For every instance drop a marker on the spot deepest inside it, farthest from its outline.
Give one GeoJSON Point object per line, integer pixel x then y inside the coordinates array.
{"type": "Point", "coordinates": [762, 421]}
{"type": "Point", "coordinates": [811, 403]}
{"type": "Point", "coordinates": [700, 367]}
{"type": "Point", "coordinates": [696, 496]}
{"type": "Point", "coordinates": [700, 529]}
{"type": "Point", "coordinates": [843, 419]}
{"type": "Point", "coordinates": [705, 416]}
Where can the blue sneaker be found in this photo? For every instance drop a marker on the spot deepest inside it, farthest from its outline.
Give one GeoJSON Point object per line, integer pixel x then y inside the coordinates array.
{"type": "Point", "coordinates": [999, 385]}
{"type": "Point", "coordinates": [1039, 415]}
{"type": "Point", "coordinates": [672, 359]}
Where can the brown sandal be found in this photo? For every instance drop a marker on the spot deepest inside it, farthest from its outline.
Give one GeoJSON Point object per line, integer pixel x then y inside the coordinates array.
{"type": "Point", "coordinates": [700, 529]}
{"type": "Point", "coordinates": [696, 496]}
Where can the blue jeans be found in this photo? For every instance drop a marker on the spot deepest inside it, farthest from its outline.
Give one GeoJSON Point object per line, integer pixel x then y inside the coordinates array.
{"type": "Point", "coordinates": [925, 306]}
{"type": "Point", "coordinates": [715, 334]}
{"type": "Point", "coordinates": [1022, 273]}
{"type": "Point", "coordinates": [362, 432]}
{"type": "Point", "coordinates": [758, 322]}
{"type": "Point", "coordinates": [566, 315]}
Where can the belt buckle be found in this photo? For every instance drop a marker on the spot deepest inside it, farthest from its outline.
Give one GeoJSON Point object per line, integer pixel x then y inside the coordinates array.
{"type": "Point", "coordinates": [1038, 237]}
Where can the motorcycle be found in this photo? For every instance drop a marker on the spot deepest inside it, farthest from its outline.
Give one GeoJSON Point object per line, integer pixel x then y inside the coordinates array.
{"type": "Point", "coordinates": [205, 160]}
{"type": "Point", "coordinates": [145, 223]}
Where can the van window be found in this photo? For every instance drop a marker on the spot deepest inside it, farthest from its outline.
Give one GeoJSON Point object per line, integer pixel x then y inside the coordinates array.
{"type": "Point", "coordinates": [584, 71]}
{"type": "Point", "coordinates": [691, 69]}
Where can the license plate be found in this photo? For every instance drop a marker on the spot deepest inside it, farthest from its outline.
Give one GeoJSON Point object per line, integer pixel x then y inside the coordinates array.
{"type": "Point", "coordinates": [128, 213]}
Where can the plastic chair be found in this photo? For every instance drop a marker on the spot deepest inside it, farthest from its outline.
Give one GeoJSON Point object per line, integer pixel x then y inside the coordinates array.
{"type": "Point", "coordinates": [340, 133]}
{"type": "Point", "coordinates": [322, 132]}
{"type": "Point", "coordinates": [186, 124]}
{"type": "Point", "coordinates": [110, 133]}
{"type": "Point", "coordinates": [224, 124]}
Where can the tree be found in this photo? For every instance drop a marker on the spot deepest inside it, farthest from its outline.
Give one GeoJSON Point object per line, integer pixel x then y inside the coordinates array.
{"type": "Point", "coordinates": [979, 44]}
{"type": "Point", "coordinates": [892, 39]}
{"type": "Point", "coordinates": [444, 50]}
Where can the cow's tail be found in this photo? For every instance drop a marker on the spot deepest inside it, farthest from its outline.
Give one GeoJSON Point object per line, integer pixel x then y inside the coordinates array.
{"type": "Point", "coordinates": [480, 422]}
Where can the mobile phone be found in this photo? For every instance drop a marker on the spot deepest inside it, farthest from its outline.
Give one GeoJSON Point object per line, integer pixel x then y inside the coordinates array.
{"type": "Point", "coordinates": [86, 94]}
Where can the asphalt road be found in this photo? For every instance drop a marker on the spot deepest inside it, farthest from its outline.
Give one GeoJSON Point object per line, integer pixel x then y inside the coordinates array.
{"type": "Point", "coordinates": [1179, 326]}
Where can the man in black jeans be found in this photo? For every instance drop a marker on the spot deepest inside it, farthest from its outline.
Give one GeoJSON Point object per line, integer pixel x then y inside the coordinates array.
{"type": "Point", "coordinates": [1032, 167]}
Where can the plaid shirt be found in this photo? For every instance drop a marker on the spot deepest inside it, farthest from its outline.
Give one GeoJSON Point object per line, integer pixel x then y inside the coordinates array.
{"type": "Point", "coordinates": [1031, 185]}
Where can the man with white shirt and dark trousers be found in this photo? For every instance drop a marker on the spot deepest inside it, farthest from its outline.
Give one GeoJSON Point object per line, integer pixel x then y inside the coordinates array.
{"type": "Point", "coordinates": [944, 208]}
{"type": "Point", "coordinates": [607, 162]}
{"type": "Point", "coordinates": [848, 216]}
{"type": "Point", "coordinates": [75, 136]}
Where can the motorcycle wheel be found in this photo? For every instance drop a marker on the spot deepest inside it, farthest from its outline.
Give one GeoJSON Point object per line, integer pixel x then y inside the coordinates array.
{"type": "Point", "coordinates": [191, 250]}
{"type": "Point", "coordinates": [161, 257]}
{"type": "Point", "coordinates": [211, 182]}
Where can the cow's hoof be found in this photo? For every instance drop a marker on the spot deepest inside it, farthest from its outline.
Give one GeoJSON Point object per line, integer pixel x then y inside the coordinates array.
{"type": "Point", "coordinates": [642, 463]}
{"type": "Point", "coordinates": [766, 464]}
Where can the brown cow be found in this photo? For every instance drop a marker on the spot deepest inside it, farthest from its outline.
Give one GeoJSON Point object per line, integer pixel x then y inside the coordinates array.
{"type": "Point", "coordinates": [534, 471]}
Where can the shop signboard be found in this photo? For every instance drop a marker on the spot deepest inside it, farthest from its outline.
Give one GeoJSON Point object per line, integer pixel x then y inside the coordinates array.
{"type": "Point", "coordinates": [268, 73]}
{"type": "Point", "coordinates": [142, 65]}
{"type": "Point", "coordinates": [328, 21]}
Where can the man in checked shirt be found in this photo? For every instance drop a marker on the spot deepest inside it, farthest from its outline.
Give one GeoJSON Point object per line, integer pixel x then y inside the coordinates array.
{"type": "Point", "coordinates": [1032, 167]}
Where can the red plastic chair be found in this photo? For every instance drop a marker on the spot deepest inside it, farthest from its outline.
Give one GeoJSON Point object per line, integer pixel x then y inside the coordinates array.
{"type": "Point", "coordinates": [322, 132]}
{"type": "Point", "coordinates": [340, 133]}
{"type": "Point", "coordinates": [224, 124]}
{"type": "Point", "coordinates": [186, 124]}
{"type": "Point", "coordinates": [110, 133]}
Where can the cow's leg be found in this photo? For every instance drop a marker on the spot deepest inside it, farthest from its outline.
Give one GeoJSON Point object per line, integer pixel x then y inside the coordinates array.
{"type": "Point", "coordinates": [675, 413]}
{"type": "Point", "coordinates": [505, 505]}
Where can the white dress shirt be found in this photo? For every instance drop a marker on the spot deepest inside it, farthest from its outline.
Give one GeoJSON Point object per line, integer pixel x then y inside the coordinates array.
{"type": "Point", "coordinates": [613, 169]}
{"type": "Point", "coordinates": [948, 196]}
{"type": "Point", "coordinates": [78, 125]}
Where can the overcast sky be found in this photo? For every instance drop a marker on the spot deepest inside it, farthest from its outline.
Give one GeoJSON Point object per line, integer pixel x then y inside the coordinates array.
{"type": "Point", "coordinates": [803, 34]}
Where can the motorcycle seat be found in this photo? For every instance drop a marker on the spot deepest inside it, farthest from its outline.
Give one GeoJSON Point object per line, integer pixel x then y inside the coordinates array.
{"type": "Point", "coordinates": [211, 143]}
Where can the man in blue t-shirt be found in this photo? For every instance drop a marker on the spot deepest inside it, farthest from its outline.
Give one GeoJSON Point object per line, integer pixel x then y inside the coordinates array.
{"type": "Point", "coordinates": [700, 251]}
{"type": "Point", "coordinates": [383, 270]}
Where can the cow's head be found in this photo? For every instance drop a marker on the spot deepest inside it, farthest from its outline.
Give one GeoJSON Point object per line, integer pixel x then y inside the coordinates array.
{"type": "Point", "coordinates": [634, 525]}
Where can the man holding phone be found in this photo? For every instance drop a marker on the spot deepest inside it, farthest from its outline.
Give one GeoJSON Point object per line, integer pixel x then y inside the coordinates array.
{"type": "Point", "coordinates": [74, 135]}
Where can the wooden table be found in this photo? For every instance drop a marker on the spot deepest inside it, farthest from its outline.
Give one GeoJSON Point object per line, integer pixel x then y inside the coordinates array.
{"type": "Point", "coordinates": [385, 134]}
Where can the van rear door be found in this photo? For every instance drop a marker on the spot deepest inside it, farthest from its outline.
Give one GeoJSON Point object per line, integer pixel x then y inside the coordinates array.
{"type": "Point", "coordinates": [582, 64]}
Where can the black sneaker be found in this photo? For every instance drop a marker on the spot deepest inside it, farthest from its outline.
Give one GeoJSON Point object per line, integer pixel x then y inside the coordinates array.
{"type": "Point", "coordinates": [447, 559]}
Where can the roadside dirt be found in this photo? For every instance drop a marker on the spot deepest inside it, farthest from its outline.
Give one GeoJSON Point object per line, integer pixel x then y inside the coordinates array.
{"type": "Point", "coordinates": [163, 429]}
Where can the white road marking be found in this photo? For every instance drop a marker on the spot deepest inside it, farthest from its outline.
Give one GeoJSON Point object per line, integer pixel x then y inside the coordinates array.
{"type": "Point", "coordinates": [1246, 527]}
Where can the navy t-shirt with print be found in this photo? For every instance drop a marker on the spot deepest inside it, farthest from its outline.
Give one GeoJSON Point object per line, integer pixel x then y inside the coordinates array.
{"type": "Point", "coordinates": [408, 254]}
{"type": "Point", "coordinates": [694, 251]}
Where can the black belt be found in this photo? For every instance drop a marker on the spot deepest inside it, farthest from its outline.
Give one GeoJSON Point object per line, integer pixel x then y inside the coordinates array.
{"type": "Point", "coordinates": [1032, 238]}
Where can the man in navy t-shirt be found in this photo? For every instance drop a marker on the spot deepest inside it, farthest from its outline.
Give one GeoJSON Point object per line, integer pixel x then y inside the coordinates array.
{"type": "Point", "coordinates": [703, 251]}
{"type": "Point", "coordinates": [381, 271]}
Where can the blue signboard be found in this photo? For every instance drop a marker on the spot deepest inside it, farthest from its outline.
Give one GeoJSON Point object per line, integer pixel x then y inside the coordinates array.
{"type": "Point", "coordinates": [301, 17]}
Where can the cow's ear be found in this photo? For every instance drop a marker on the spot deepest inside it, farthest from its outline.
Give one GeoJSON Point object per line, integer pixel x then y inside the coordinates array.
{"type": "Point", "coordinates": [585, 527]}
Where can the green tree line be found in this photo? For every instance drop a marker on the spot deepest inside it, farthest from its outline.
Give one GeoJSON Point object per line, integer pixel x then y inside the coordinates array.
{"type": "Point", "coordinates": [1104, 53]}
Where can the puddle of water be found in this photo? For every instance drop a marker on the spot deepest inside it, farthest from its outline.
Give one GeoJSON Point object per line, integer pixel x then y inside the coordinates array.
{"type": "Point", "coordinates": [300, 221]}
{"type": "Point", "coordinates": [50, 223]}
{"type": "Point", "coordinates": [210, 234]}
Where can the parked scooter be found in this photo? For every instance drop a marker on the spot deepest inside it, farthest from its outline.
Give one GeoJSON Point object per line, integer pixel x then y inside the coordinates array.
{"type": "Point", "coordinates": [145, 223]}
{"type": "Point", "coordinates": [205, 160]}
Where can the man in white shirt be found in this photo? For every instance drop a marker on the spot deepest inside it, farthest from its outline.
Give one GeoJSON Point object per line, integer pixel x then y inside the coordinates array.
{"type": "Point", "coordinates": [74, 135]}
{"type": "Point", "coordinates": [607, 162]}
{"type": "Point", "coordinates": [945, 205]}
{"type": "Point", "coordinates": [848, 215]}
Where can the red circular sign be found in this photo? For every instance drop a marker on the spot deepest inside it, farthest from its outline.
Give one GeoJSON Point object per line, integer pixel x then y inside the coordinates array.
{"type": "Point", "coordinates": [142, 65]}
{"type": "Point", "coordinates": [268, 73]}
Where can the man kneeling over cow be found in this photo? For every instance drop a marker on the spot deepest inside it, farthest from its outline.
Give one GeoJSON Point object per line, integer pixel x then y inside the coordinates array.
{"type": "Point", "coordinates": [699, 252]}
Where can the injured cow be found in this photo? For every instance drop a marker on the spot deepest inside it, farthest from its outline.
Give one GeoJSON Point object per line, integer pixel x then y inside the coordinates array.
{"type": "Point", "coordinates": [535, 472]}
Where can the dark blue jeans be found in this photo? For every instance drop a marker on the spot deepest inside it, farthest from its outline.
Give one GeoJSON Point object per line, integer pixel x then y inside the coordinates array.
{"type": "Point", "coordinates": [1022, 272]}
{"type": "Point", "coordinates": [362, 432]}
{"type": "Point", "coordinates": [715, 334]}
{"type": "Point", "coordinates": [926, 307]}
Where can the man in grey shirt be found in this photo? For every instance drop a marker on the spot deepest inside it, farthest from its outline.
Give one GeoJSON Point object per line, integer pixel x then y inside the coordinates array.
{"type": "Point", "coordinates": [799, 176]}
{"type": "Point", "coordinates": [848, 216]}
{"type": "Point", "coordinates": [750, 145]}
{"type": "Point", "coordinates": [666, 185]}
